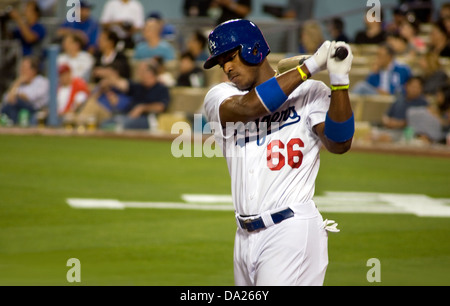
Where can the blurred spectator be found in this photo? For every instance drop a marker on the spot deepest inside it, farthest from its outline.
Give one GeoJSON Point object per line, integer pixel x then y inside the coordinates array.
{"type": "Point", "coordinates": [399, 44]}
{"type": "Point", "coordinates": [108, 55]}
{"type": "Point", "coordinates": [72, 92]}
{"type": "Point", "coordinates": [164, 77]}
{"type": "Point", "coordinates": [196, 45]}
{"type": "Point", "coordinates": [190, 74]}
{"type": "Point", "coordinates": [105, 101]}
{"type": "Point", "coordinates": [410, 31]}
{"type": "Point", "coordinates": [444, 16]}
{"type": "Point", "coordinates": [444, 11]}
{"type": "Point", "coordinates": [434, 75]}
{"type": "Point", "coordinates": [301, 10]}
{"type": "Point", "coordinates": [421, 9]}
{"type": "Point", "coordinates": [48, 7]}
{"type": "Point", "coordinates": [87, 28]}
{"type": "Point", "coordinates": [395, 117]}
{"type": "Point", "coordinates": [399, 16]}
{"type": "Point", "coordinates": [29, 30]}
{"type": "Point", "coordinates": [372, 34]}
{"type": "Point", "coordinates": [442, 108]}
{"type": "Point", "coordinates": [126, 17]}
{"type": "Point", "coordinates": [232, 9]}
{"type": "Point", "coordinates": [389, 77]}
{"type": "Point", "coordinates": [439, 42]}
{"type": "Point", "coordinates": [336, 28]}
{"type": "Point", "coordinates": [80, 62]}
{"type": "Point", "coordinates": [168, 31]}
{"type": "Point", "coordinates": [196, 8]}
{"type": "Point", "coordinates": [311, 37]}
{"type": "Point", "coordinates": [432, 124]}
{"type": "Point", "coordinates": [30, 91]}
{"type": "Point", "coordinates": [153, 44]}
{"type": "Point", "coordinates": [147, 96]}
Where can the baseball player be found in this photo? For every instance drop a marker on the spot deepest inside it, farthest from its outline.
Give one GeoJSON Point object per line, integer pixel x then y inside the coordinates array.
{"type": "Point", "coordinates": [274, 160]}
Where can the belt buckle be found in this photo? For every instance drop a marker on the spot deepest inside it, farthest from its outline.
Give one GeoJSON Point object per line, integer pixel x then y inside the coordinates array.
{"type": "Point", "coordinates": [248, 221]}
{"type": "Point", "coordinates": [245, 224]}
{"type": "Point", "coordinates": [248, 225]}
{"type": "Point", "coordinates": [251, 225]}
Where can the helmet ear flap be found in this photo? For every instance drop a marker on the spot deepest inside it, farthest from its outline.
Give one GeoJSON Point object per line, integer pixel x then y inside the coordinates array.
{"type": "Point", "coordinates": [256, 54]}
{"type": "Point", "coordinates": [255, 51]}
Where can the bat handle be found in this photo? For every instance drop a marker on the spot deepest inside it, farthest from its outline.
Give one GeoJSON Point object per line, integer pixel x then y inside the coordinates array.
{"type": "Point", "coordinates": [302, 60]}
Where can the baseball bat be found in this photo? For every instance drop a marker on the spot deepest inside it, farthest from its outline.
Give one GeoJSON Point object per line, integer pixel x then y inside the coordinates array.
{"type": "Point", "coordinates": [292, 62]}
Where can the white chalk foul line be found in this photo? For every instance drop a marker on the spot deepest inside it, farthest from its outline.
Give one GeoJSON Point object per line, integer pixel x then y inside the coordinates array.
{"type": "Point", "coordinates": [115, 204]}
{"type": "Point", "coordinates": [339, 202]}
{"type": "Point", "coordinates": [365, 202]}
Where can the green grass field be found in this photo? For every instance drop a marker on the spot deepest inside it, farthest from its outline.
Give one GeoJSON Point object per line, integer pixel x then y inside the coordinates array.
{"type": "Point", "coordinates": [39, 232]}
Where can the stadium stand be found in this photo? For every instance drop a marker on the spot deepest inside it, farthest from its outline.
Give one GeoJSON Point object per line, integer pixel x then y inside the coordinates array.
{"type": "Point", "coordinates": [188, 101]}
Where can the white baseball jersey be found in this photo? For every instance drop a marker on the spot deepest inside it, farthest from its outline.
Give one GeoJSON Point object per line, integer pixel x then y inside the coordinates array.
{"type": "Point", "coordinates": [276, 170]}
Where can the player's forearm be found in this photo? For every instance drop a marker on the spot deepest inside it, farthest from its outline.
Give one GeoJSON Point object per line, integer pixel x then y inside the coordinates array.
{"type": "Point", "coordinates": [338, 129]}
{"type": "Point", "coordinates": [290, 80]}
{"type": "Point", "coordinates": [336, 133]}
{"type": "Point", "coordinates": [340, 111]}
{"type": "Point", "coordinates": [330, 145]}
{"type": "Point", "coordinates": [340, 108]}
{"type": "Point", "coordinates": [251, 106]}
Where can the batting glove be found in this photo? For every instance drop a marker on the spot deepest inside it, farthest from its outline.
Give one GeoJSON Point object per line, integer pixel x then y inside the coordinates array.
{"type": "Point", "coordinates": [339, 69]}
{"type": "Point", "coordinates": [318, 62]}
{"type": "Point", "coordinates": [330, 226]}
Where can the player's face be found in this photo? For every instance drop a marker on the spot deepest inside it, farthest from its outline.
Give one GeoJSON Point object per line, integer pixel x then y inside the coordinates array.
{"type": "Point", "coordinates": [238, 73]}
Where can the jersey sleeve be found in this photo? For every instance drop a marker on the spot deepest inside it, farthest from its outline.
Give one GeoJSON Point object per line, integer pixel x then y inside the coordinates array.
{"type": "Point", "coordinates": [319, 105]}
{"type": "Point", "coordinates": [215, 97]}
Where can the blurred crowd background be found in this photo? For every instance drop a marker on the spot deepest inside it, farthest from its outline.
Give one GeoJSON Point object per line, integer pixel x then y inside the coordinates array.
{"type": "Point", "coordinates": [137, 65]}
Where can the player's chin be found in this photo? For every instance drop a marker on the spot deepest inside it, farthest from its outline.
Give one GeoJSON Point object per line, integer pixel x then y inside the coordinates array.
{"type": "Point", "coordinates": [242, 86]}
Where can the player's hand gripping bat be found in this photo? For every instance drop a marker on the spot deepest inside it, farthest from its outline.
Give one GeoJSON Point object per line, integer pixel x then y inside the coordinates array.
{"type": "Point", "coordinates": [292, 62]}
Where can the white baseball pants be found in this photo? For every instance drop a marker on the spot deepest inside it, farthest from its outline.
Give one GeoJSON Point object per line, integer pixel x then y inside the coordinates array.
{"type": "Point", "coordinates": [291, 253]}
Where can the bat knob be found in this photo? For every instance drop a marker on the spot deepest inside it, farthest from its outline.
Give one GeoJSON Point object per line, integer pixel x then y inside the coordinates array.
{"type": "Point", "coordinates": [341, 53]}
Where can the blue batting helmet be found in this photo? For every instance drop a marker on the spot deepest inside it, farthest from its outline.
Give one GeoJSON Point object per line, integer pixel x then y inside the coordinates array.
{"type": "Point", "coordinates": [238, 33]}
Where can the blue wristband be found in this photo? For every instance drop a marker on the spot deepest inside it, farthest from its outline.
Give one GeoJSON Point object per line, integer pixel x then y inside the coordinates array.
{"type": "Point", "coordinates": [271, 94]}
{"type": "Point", "coordinates": [340, 131]}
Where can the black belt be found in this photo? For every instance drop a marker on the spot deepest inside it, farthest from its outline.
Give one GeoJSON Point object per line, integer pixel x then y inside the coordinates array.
{"type": "Point", "coordinates": [252, 225]}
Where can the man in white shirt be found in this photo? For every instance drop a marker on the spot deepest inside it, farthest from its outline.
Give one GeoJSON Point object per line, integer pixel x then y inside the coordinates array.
{"type": "Point", "coordinates": [30, 91]}
{"type": "Point", "coordinates": [126, 16]}
{"type": "Point", "coordinates": [80, 62]}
